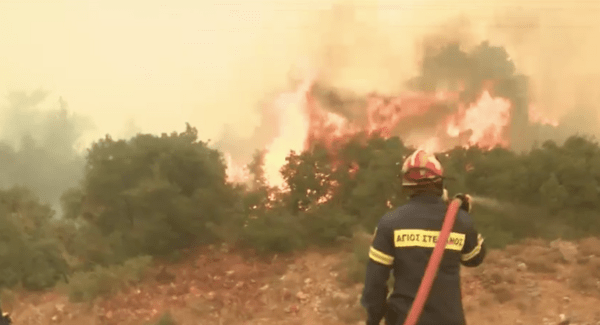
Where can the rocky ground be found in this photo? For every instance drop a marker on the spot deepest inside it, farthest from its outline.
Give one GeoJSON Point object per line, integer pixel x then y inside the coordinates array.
{"type": "Point", "coordinates": [531, 283]}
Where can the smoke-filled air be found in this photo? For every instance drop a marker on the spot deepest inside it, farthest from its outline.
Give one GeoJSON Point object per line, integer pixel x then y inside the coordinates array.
{"type": "Point", "coordinates": [402, 68]}
{"type": "Point", "coordinates": [186, 162]}
{"type": "Point", "coordinates": [39, 145]}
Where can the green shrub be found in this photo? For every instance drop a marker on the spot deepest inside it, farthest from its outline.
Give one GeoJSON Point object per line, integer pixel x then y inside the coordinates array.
{"type": "Point", "coordinates": [275, 231]}
{"type": "Point", "coordinates": [165, 319]}
{"type": "Point", "coordinates": [30, 255]}
{"type": "Point", "coordinates": [325, 225]}
{"type": "Point", "coordinates": [356, 264]}
{"type": "Point", "coordinates": [153, 195]}
{"type": "Point", "coordinates": [105, 281]}
{"type": "Point", "coordinates": [507, 224]}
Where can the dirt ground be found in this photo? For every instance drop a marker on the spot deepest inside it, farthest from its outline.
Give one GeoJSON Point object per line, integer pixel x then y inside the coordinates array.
{"type": "Point", "coordinates": [530, 283]}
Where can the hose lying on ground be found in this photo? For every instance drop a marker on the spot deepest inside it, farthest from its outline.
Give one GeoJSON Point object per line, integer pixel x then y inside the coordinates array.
{"type": "Point", "coordinates": [433, 264]}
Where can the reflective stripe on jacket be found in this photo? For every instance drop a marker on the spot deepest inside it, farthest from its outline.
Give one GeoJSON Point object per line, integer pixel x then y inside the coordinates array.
{"type": "Point", "coordinates": [403, 243]}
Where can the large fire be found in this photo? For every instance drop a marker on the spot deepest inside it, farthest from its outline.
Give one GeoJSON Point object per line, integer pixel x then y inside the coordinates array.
{"type": "Point", "coordinates": [293, 124]}
{"type": "Point", "coordinates": [303, 121]}
{"type": "Point", "coordinates": [486, 120]}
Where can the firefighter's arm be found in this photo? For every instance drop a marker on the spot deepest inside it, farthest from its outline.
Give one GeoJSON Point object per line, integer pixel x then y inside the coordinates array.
{"type": "Point", "coordinates": [381, 260]}
{"type": "Point", "coordinates": [474, 249]}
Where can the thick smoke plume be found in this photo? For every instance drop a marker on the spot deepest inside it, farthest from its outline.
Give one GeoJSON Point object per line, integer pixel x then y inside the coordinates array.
{"type": "Point", "coordinates": [359, 47]}
{"type": "Point", "coordinates": [38, 146]}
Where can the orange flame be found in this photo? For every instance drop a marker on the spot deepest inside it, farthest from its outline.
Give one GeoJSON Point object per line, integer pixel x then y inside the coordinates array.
{"type": "Point", "coordinates": [302, 122]}
{"type": "Point", "coordinates": [487, 120]}
{"type": "Point", "coordinates": [293, 124]}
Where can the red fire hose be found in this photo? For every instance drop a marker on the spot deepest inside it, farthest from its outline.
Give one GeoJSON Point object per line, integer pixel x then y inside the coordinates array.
{"type": "Point", "coordinates": [433, 264]}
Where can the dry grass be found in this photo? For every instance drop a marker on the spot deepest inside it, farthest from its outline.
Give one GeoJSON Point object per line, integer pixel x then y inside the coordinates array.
{"type": "Point", "coordinates": [594, 266]}
{"type": "Point", "coordinates": [166, 319]}
{"type": "Point", "coordinates": [510, 276]}
{"type": "Point", "coordinates": [590, 246]}
{"type": "Point", "coordinates": [499, 284]}
{"type": "Point", "coordinates": [529, 242]}
{"type": "Point", "coordinates": [586, 278]}
{"type": "Point", "coordinates": [106, 281]}
{"type": "Point", "coordinates": [522, 305]}
{"type": "Point", "coordinates": [502, 292]}
{"type": "Point", "coordinates": [491, 277]}
{"type": "Point", "coordinates": [234, 313]}
{"type": "Point", "coordinates": [354, 268]}
{"type": "Point", "coordinates": [8, 298]}
{"type": "Point", "coordinates": [494, 256]}
{"type": "Point", "coordinates": [514, 250]}
{"type": "Point", "coordinates": [486, 299]}
{"type": "Point", "coordinates": [541, 264]}
{"type": "Point", "coordinates": [352, 315]}
{"type": "Point", "coordinates": [582, 281]}
{"type": "Point", "coordinates": [202, 307]}
{"type": "Point", "coordinates": [345, 306]}
{"type": "Point", "coordinates": [540, 259]}
{"type": "Point", "coordinates": [469, 306]}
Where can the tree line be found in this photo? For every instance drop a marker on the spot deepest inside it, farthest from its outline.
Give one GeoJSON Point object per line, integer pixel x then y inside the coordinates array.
{"type": "Point", "coordinates": [159, 195]}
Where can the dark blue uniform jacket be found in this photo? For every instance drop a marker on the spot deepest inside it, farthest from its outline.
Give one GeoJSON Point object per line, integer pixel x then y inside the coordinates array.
{"type": "Point", "coordinates": [403, 243]}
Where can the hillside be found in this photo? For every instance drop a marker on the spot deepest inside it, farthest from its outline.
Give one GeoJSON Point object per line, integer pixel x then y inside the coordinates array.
{"type": "Point", "coordinates": [534, 282]}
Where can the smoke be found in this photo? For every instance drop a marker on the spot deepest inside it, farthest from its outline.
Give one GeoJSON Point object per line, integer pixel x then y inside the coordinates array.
{"type": "Point", "coordinates": [242, 148]}
{"type": "Point", "coordinates": [38, 148]}
{"type": "Point", "coordinates": [364, 46]}
{"type": "Point", "coordinates": [131, 129]}
{"type": "Point", "coordinates": [556, 46]}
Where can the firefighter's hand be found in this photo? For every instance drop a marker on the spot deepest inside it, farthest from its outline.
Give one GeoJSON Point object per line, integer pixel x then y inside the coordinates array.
{"type": "Point", "coordinates": [466, 201]}
{"type": "Point", "coordinates": [445, 196]}
{"type": "Point", "coordinates": [5, 319]}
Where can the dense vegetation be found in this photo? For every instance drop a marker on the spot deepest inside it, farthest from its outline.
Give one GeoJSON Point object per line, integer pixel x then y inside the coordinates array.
{"type": "Point", "coordinates": [153, 196]}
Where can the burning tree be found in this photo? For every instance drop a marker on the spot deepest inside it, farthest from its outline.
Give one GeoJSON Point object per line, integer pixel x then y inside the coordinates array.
{"type": "Point", "coordinates": [459, 99]}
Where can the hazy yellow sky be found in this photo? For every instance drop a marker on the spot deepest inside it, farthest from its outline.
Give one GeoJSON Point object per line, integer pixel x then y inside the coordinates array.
{"type": "Point", "coordinates": [160, 63]}
{"type": "Point", "coordinates": [164, 63]}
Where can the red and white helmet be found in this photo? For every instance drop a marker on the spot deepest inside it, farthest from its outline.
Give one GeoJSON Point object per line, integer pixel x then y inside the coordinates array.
{"type": "Point", "coordinates": [421, 167]}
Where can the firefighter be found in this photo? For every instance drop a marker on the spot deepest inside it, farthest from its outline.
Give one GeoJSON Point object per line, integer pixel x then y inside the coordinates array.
{"type": "Point", "coordinates": [403, 242]}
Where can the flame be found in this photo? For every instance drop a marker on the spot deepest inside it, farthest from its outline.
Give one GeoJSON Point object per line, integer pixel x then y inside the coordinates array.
{"type": "Point", "coordinates": [293, 124]}
{"type": "Point", "coordinates": [431, 145]}
{"type": "Point", "coordinates": [303, 122]}
{"type": "Point", "coordinates": [384, 113]}
{"type": "Point", "coordinates": [487, 120]}
{"type": "Point", "coordinates": [325, 127]}
{"type": "Point", "coordinates": [235, 172]}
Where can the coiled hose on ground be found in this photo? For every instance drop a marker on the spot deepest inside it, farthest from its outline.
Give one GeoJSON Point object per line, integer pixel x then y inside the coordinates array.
{"type": "Point", "coordinates": [433, 264]}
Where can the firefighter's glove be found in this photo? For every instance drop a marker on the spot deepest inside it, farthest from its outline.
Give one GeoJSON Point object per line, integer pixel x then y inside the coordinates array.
{"type": "Point", "coordinates": [5, 319]}
{"type": "Point", "coordinates": [445, 196]}
{"type": "Point", "coordinates": [466, 201]}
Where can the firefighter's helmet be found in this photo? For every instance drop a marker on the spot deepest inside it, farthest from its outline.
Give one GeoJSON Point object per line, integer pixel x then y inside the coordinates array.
{"type": "Point", "coordinates": [421, 167]}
